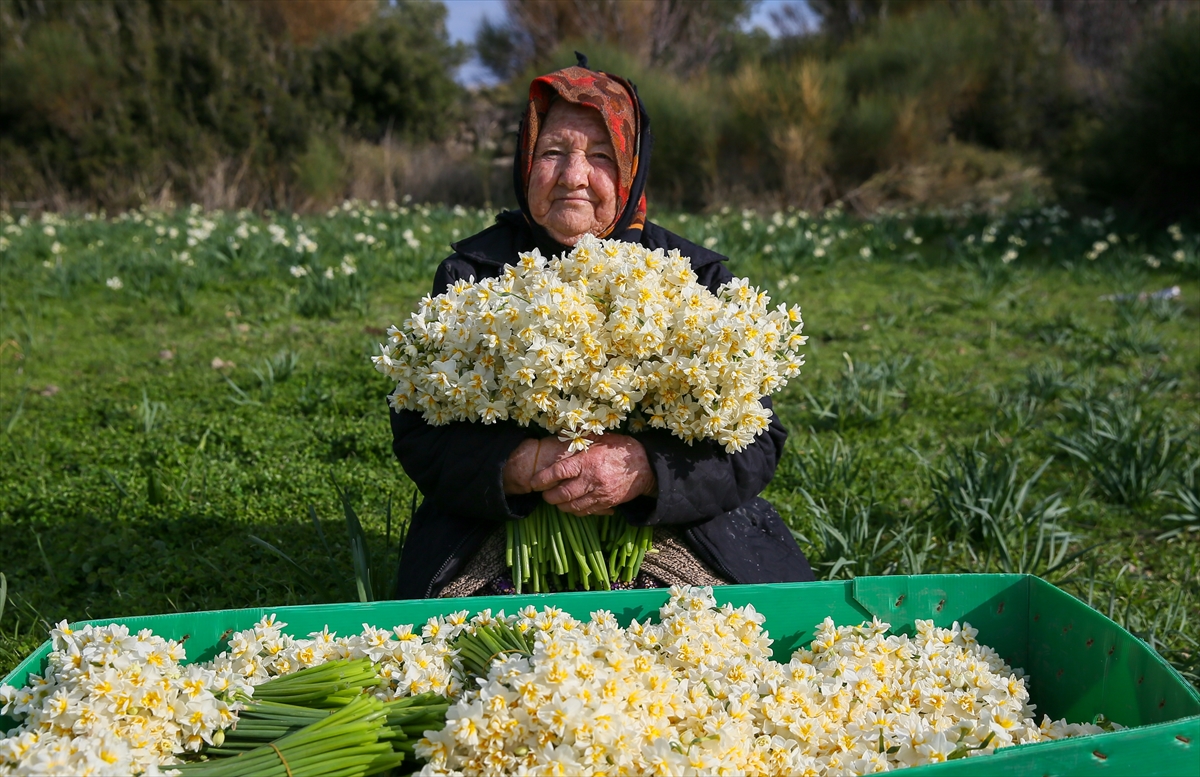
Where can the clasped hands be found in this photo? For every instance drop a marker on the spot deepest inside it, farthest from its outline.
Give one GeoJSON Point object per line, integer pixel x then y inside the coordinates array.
{"type": "Point", "coordinates": [613, 470]}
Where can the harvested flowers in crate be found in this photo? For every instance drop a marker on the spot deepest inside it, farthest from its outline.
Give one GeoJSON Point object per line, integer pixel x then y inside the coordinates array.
{"type": "Point", "coordinates": [535, 692]}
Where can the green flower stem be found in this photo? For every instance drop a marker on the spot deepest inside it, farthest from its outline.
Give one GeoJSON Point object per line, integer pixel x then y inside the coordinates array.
{"type": "Point", "coordinates": [595, 555]}
{"type": "Point", "coordinates": [509, 528]}
{"type": "Point", "coordinates": [427, 699]}
{"type": "Point", "coordinates": [490, 642]}
{"type": "Point", "coordinates": [516, 552]}
{"type": "Point", "coordinates": [631, 570]}
{"type": "Point", "coordinates": [346, 742]}
{"type": "Point", "coordinates": [555, 539]}
{"type": "Point", "coordinates": [577, 548]}
{"type": "Point", "coordinates": [550, 550]}
{"type": "Point", "coordinates": [559, 543]}
{"type": "Point", "coordinates": [482, 647]}
{"type": "Point", "coordinates": [539, 517]}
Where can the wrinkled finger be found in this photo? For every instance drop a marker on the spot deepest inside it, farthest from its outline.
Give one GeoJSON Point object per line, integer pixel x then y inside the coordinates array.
{"type": "Point", "coordinates": [563, 469]}
{"type": "Point", "coordinates": [595, 502]}
{"type": "Point", "coordinates": [550, 452]}
{"type": "Point", "coordinates": [542, 485]}
{"type": "Point", "coordinates": [584, 505]}
{"type": "Point", "coordinates": [571, 509]}
{"type": "Point", "coordinates": [567, 491]}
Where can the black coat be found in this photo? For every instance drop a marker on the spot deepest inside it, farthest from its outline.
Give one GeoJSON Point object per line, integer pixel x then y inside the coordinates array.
{"type": "Point", "coordinates": [712, 496]}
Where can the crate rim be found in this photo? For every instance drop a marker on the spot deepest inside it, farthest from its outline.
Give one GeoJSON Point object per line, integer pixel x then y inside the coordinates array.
{"type": "Point", "coordinates": [853, 587]}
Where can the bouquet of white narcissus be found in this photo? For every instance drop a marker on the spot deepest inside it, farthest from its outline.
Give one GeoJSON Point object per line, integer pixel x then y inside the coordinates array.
{"type": "Point", "coordinates": [611, 335]}
{"type": "Point", "coordinates": [608, 335]}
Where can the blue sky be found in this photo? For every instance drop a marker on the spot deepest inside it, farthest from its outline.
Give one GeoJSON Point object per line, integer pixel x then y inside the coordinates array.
{"type": "Point", "coordinates": [465, 15]}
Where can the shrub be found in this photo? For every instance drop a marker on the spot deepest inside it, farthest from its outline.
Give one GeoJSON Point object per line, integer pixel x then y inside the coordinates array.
{"type": "Point", "coordinates": [113, 102]}
{"type": "Point", "coordinates": [168, 91]}
{"type": "Point", "coordinates": [1185, 499]}
{"type": "Point", "coordinates": [782, 128]}
{"type": "Point", "coordinates": [392, 77]}
{"type": "Point", "coordinates": [863, 394]}
{"type": "Point", "coordinates": [319, 170]}
{"type": "Point", "coordinates": [945, 104]}
{"type": "Point", "coordinates": [979, 501]}
{"type": "Point", "coordinates": [907, 81]}
{"type": "Point", "coordinates": [821, 470]}
{"type": "Point", "coordinates": [849, 540]}
{"type": "Point", "coordinates": [1145, 156]}
{"type": "Point", "coordinates": [447, 173]}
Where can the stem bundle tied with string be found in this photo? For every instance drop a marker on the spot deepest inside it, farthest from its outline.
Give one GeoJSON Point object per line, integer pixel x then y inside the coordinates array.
{"type": "Point", "coordinates": [321, 722]}
{"type": "Point", "coordinates": [352, 741]}
{"type": "Point", "coordinates": [610, 335]}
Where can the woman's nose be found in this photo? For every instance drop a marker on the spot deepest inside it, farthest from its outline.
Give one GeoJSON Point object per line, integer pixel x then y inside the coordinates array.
{"type": "Point", "coordinates": [576, 172]}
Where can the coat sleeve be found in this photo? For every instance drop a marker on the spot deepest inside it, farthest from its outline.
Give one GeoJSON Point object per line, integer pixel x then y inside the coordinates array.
{"type": "Point", "coordinates": [700, 481]}
{"type": "Point", "coordinates": [460, 466]}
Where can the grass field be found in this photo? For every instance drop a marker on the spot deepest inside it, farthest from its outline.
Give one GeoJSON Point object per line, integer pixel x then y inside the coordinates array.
{"type": "Point", "coordinates": [180, 392]}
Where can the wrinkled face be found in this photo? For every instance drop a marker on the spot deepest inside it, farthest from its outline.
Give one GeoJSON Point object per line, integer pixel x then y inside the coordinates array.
{"type": "Point", "coordinates": [573, 181]}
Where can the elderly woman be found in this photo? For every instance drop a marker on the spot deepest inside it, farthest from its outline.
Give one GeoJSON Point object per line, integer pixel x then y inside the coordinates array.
{"type": "Point", "coordinates": [580, 168]}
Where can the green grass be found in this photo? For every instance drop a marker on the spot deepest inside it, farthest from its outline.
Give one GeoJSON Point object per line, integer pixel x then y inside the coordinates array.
{"type": "Point", "coordinates": [180, 443]}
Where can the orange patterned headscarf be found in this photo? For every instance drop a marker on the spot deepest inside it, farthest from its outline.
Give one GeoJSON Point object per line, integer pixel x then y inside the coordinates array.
{"type": "Point", "coordinates": [628, 127]}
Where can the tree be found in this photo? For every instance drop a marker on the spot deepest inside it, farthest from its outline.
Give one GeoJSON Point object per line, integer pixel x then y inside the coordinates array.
{"type": "Point", "coordinates": [396, 73]}
{"type": "Point", "coordinates": [680, 35]}
{"type": "Point", "coordinates": [111, 102]}
{"type": "Point", "coordinates": [843, 19]}
{"type": "Point", "coordinates": [306, 22]}
{"type": "Point", "coordinates": [1145, 157]}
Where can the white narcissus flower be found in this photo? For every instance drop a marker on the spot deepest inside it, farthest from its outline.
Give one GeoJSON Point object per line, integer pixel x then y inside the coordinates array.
{"type": "Point", "coordinates": [305, 244]}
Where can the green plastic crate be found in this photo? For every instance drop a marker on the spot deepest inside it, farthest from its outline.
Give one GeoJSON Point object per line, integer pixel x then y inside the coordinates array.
{"type": "Point", "coordinates": [1080, 663]}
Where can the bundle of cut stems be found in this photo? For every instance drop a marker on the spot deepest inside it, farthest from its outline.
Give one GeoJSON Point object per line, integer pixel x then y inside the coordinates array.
{"type": "Point", "coordinates": [408, 719]}
{"type": "Point", "coordinates": [488, 643]}
{"type": "Point", "coordinates": [554, 551]}
{"type": "Point", "coordinates": [262, 722]}
{"type": "Point", "coordinates": [349, 742]}
{"type": "Point", "coordinates": [325, 686]}
{"type": "Point", "coordinates": [356, 743]}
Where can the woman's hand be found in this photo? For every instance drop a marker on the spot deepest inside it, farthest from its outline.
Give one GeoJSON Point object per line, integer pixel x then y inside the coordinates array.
{"type": "Point", "coordinates": [613, 470]}
{"type": "Point", "coordinates": [528, 459]}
